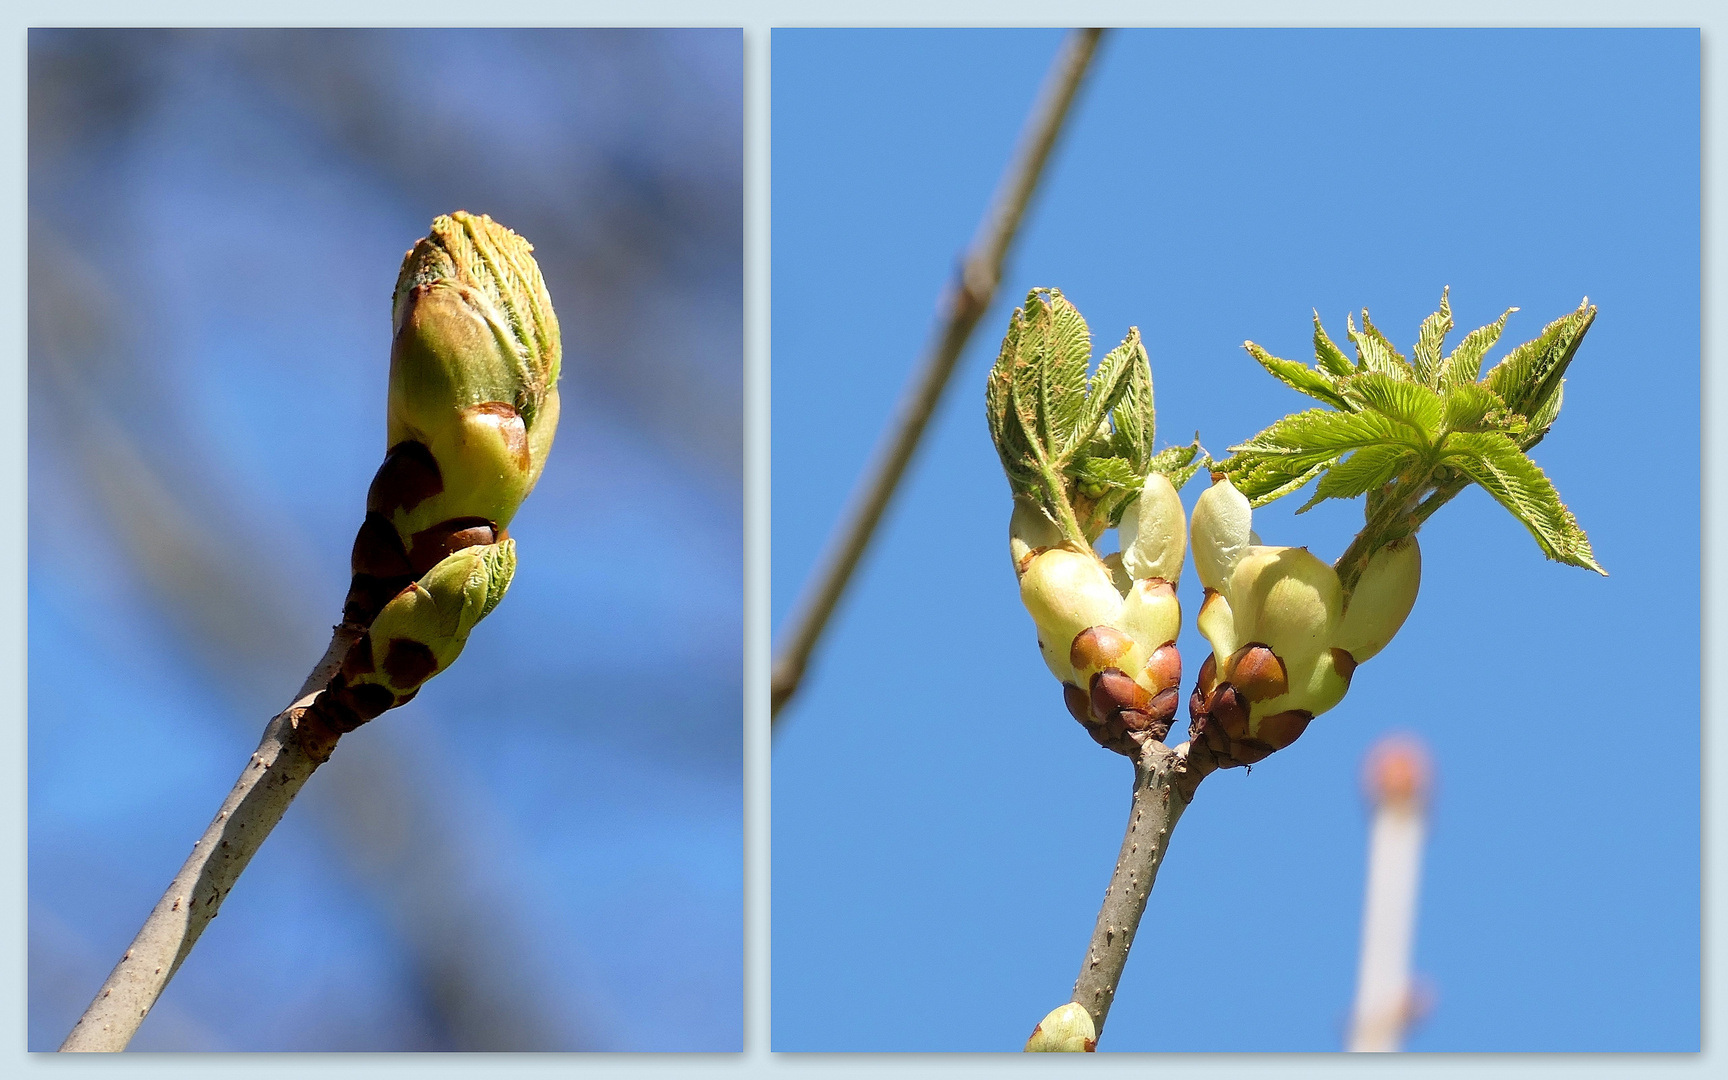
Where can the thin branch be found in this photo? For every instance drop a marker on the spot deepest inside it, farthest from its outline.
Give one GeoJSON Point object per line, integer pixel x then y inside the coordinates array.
{"type": "Point", "coordinates": [967, 300]}
{"type": "Point", "coordinates": [1162, 790]}
{"type": "Point", "coordinates": [271, 779]}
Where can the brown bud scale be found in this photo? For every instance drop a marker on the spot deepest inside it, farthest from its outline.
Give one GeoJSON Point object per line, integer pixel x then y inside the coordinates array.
{"type": "Point", "coordinates": [1097, 647]}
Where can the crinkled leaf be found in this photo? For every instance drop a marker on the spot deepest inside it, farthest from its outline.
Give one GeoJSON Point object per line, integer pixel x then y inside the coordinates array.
{"type": "Point", "coordinates": [1266, 480]}
{"type": "Point", "coordinates": [1058, 350]}
{"type": "Point", "coordinates": [1464, 365]}
{"type": "Point", "coordinates": [1493, 460]}
{"type": "Point", "coordinates": [1374, 352]}
{"type": "Point", "coordinates": [1411, 404]}
{"type": "Point", "coordinates": [1329, 357]}
{"type": "Point", "coordinates": [1110, 383]}
{"type": "Point", "coordinates": [1539, 424]}
{"type": "Point", "coordinates": [1363, 471]}
{"type": "Point", "coordinates": [1177, 463]}
{"type": "Point", "coordinates": [1474, 407]}
{"type": "Point", "coordinates": [1319, 432]}
{"type": "Point", "coordinates": [1135, 419]}
{"type": "Point", "coordinates": [1530, 373]}
{"type": "Point", "coordinates": [1300, 377]}
{"type": "Point", "coordinates": [1428, 340]}
{"type": "Point", "coordinates": [1098, 473]}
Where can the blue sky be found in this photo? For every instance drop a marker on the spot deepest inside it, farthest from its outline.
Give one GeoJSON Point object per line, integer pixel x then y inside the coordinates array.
{"type": "Point", "coordinates": [943, 830]}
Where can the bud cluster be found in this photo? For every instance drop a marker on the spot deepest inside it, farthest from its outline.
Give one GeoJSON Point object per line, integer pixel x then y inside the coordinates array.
{"type": "Point", "coordinates": [1108, 632]}
{"type": "Point", "coordinates": [473, 406]}
{"type": "Point", "coordinates": [1285, 639]}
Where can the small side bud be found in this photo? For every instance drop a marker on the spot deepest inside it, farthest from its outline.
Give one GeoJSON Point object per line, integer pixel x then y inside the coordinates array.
{"type": "Point", "coordinates": [1151, 614]}
{"type": "Point", "coordinates": [1154, 532]}
{"type": "Point", "coordinates": [1068, 1029]}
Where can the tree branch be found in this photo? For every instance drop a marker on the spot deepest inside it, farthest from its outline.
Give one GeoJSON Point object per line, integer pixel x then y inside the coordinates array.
{"type": "Point", "coordinates": [271, 779]}
{"type": "Point", "coordinates": [1161, 794]}
{"type": "Point", "coordinates": [966, 302]}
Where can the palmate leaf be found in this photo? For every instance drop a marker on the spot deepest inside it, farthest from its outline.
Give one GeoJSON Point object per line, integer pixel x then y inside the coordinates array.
{"type": "Point", "coordinates": [1057, 349]}
{"type": "Point", "coordinates": [1411, 404]}
{"type": "Point", "coordinates": [1098, 474]}
{"type": "Point", "coordinates": [1266, 480]}
{"type": "Point", "coordinates": [1493, 460]}
{"type": "Point", "coordinates": [1317, 384]}
{"type": "Point", "coordinates": [1474, 407]}
{"type": "Point", "coordinates": [1320, 432]}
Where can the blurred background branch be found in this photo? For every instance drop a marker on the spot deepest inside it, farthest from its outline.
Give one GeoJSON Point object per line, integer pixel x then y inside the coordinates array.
{"type": "Point", "coordinates": [968, 298]}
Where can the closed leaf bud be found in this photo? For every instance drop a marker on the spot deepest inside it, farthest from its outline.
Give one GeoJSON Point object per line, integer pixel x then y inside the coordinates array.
{"type": "Point", "coordinates": [1068, 1029]}
{"type": "Point", "coordinates": [1287, 599]}
{"type": "Point", "coordinates": [1384, 595]}
{"type": "Point", "coordinates": [1257, 672]}
{"type": "Point", "coordinates": [1221, 533]}
{"type": "Point", "coordinates": [473, 379]}
{"type": "Point", "coordinates": [1154, 532]}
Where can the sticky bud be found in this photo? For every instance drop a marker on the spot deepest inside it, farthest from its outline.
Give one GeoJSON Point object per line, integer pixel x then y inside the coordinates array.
{"type": "Point", "coordinates": [424, 628]}
{"type": "Point", "coordinates": [1286, 598]}
{"type": "Point", "coordinates": [1384, 595]}
{"type": "Point", "coordinates": [473, 375]}
{"type": "Point", "coordinates": [1066, 592]}
{"type": "Point", "coordinates": [1154, 532]}
{"type": "Point", "coordinates": [1151, 614]}
{"type": "Point", "coordinates": [1068, 1029]}
{"type": "Point", "coordinates": [1257, 672]}
{"type": "Point", "coordinates": [1221, 533]}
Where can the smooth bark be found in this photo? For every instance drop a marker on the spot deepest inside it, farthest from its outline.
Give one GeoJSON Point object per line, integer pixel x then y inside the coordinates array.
{"type": "Point", "coordinates": [271, 779]}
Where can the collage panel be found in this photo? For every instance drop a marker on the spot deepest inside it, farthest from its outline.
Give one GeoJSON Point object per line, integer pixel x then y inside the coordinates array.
{"type": "Point", "coordinates": [949, 787]}
{"type": "Point", "coordinates": [253, 418]}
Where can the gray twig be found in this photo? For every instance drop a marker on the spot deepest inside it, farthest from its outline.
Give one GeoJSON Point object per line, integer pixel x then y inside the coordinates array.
{"type": "Point", "coordinates": [967, 300]}
{"type": "Point", "coordinates": [1160, 796]}
{"type": "Point", "coordinates": [271, 779]}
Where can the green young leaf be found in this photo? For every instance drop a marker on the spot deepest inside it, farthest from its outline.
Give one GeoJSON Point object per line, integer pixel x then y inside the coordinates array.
{"type": "Point", "coordinates": [1266, 480]}
{"type": "Point", "coordinates": [1365, 470]}
{"type": "Point", "coordinates": [1493, 460]}
{"type": "Point", "coordinates": [1428, 340]}
{"type": "Point", "coordinates": [1464, 365]}
{"type": "Point", "coordinates": [1543, 419]}
{"type": "Point", "coordinates": [1097, 475]}
{"type": "Point", "coordinates": [1110, 384]}
{"type": "Point", "coordinates": [1317, 384]}
{"type": "Point", "coordinates": [1329, 357]}
{"type": "Point", "coordinates": [1057, 349]}
{"type": "Point", "coordinates": [1134, 416]}
{"type": "Point", "coordinates": [1317, 433]}
{"type": "Point", "coordinates": [1474, 407]}
{"type": "Point", "coordinates": [1411, 404]}
{"type": "Point", "coordinates": [1177, 463]}
{"type": "Point", "coordinates": [1374, 353]}
{"type": "Point", "coordinates": [1531, 373]}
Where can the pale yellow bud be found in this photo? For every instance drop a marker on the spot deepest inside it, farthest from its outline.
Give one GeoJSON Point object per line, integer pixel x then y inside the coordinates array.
{"type": "Point", "coordinates": [1068, 1029]}
{"type": "Point", "coordinates": [1154, 532]}
{"type": "Point", "coordinates": [1221, 533]}
{"type": "Point", "coordinates": [1066, 592]}
{"type": "Point", "coordinates": [1286, 598]}
{"type": "Point", "coordinates": [1030, 530]}
{"type": "Point", "coordinates": [1384, 595]}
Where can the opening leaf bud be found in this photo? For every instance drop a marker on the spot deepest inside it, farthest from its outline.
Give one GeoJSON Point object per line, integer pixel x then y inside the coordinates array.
{"type": "Point", "coordinates": [473, 374]}
{"type": "Point", "coordinates": [1068, 1029]}
{"type": "Point", "coordinates": [1286, 598]}
{"type": "Point", "coordinates": [1222, 532]}
{"type": "Point", "coordinates": [1384, 595]}
{"type": "Point", "coordinates": [1218, 623]}
{"type": "Point", "coordinates": [1154, 532]}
